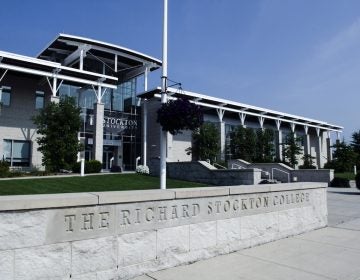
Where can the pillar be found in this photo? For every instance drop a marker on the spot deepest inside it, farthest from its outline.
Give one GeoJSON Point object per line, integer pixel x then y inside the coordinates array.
{"type": "Point", "coordinates": [307, 146]}
{"type": "Point", "coordinates": [98, 132]}
{"type": "Point", "coordinates": [278, 145]}
{"type": "Point", "coordinates": [318, 148]}
{"type": "Point", "coordinates": [222, 140]}
{"type": "Point", "coordinates": [328, 147]}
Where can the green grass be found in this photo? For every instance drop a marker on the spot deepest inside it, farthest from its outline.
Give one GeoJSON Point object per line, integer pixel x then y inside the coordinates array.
{"type": "Point", "coordinates": [95, 183]}
{"type": "Point", "coordinates": [345, 175]}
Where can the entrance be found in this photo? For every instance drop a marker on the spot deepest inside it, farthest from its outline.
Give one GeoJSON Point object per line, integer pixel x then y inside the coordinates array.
{"type": "Point", "coordinates": [108, 160]}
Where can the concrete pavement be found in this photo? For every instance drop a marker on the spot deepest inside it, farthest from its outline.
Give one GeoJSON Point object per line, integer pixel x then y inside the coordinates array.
{"type": "Point", "coordinates": [329, 253]}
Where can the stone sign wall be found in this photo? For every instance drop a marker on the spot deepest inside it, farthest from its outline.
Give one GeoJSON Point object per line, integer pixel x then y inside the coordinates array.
{"type": "Point", "coordinates": [119, 235]}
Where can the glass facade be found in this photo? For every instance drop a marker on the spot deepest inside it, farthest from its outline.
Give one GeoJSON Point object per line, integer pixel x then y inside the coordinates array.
{"type": "Point", "coordinates": [122, 136]}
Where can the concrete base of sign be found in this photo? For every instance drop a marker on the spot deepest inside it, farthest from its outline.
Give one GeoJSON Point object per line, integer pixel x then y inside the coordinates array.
{"type": "Point", "coordinates": [124, 234]}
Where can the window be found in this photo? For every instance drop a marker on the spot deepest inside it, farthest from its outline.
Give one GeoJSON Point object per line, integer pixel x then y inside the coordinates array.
{"type": "Point", "coordinates": [39, 100]}
{"type": "Point", "coordinates": [17, 152]}
{"type": "Point", "coordinates": [5, 93]}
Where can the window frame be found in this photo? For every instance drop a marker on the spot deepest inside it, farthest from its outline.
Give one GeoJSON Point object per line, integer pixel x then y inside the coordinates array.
{"type": "Point", "coordinates": [5, 89]}
{"type": "Point", "coordinates": [39, 94]}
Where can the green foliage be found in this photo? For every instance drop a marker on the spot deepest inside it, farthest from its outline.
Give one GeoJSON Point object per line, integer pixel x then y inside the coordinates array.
{"type": "Point", "coordinates": [4, 168]}
{"type": "Point", "coordinates": [292, 149]}
{"type": "Point", "coordinates": [265, 149]}
{"type": "Point", "coordinates": [205, 142]}
{"type": "Point", "coordinates": [91, 166]}
{"type": "Point", "coordinates": [253, 146]}
{"type": "Point", "coordinates": [344, 158]}
{"type": "Point", "coordinates": [58, 125]}
{"type": "Point", "coordinates": [355, 144]}
{"type": "Point", "coordinates": [340, 183]}
{"type": "Point", "coordinates": [243, 143]}
{"type": "Point", "coordinates": [308, 162]}
{"type": "Point", "coordinates": [179, 114]}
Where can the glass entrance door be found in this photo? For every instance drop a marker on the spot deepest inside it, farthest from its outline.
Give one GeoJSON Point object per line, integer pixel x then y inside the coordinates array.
{"type": "Point", "coordinates": [108, 158]}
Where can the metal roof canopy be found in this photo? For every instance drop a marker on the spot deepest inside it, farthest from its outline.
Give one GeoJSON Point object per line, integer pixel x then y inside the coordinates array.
{"type": "Point", "coordinates": [67, 50]}
{"type": "Point", "coordinates": [48, 69]}
{"type": "Point", "coordinates": [241, 108]}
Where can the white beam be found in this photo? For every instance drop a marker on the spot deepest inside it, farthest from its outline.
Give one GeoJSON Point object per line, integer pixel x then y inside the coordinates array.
{"type": "Point", "coordinates": [242, 117]}
{"type": "Point", "coordinates": [3, 75]}
{"type": "Point", "coordinates": [220, 113]}
{"type": "Point", "coordinates": [52, 75]}
{"type": "Point", "coordinates": [261, 121]}
{"type": "Point", "coordinates": [278, 124]}
{"type": "Point", "coordinates": [292, 125]}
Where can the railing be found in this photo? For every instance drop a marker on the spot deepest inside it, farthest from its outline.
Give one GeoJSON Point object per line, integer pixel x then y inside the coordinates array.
{"type": "Point", "coordinates": [219, 166]}
{"type": "Point", "coordinates": [277, 169]}
{"type": "Point", "coordinates": [266, 174]}
{"type": "Point", "coordinates": [237, 166]}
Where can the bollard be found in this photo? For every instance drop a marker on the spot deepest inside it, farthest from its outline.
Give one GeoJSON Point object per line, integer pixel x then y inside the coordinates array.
{"type": "Point", "coordinates": [82, 167]}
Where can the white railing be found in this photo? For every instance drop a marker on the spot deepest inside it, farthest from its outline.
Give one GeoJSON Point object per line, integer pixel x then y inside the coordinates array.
{"type": "Point", "coordinates": [219, 166]}
{"type": "Point", "coordinates": [237, 166]}
{"type": "Point", "coordinates": [277, 169]}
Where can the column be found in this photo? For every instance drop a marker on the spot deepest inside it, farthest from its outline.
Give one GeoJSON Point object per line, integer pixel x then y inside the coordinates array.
{"type": "Point", "coordinates": [278, 145]}
{"type": "Point", "coordinates": [98, 131]}
{"type": "Point", "coordinates": [328, 146]}
{"type": "Point", "coordinates": [278, 141]}
{"type": "Point", "coordinates": [318, 148]}
{"type": "Point", "coordinates": [307, 147]}
{"type": "Point", "coordinates": [222, 133]}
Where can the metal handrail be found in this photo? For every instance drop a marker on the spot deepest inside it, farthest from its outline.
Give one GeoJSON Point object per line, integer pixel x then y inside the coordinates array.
{"type": "Point", "coordinates": [287, 173]}
{"type": "Point", "coordinates": [237, 166]}
{"type": "Point", "coordinates": [219, 165]}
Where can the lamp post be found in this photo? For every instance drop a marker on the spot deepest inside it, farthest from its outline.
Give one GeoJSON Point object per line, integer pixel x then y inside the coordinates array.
{"type": "Point", "coordinates": [163, 134]}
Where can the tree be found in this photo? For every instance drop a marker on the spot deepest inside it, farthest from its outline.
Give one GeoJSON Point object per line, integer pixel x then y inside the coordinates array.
{"type": "Point", "coordinates": [58, 125]}
{"type": "Point", "coordinates": [308, 162]}
{"type": "Point", "coordinates": [292, 149]}
{"type": "Point", "coordinates": [243, 143]}
{"type": "Point", "coordinates": [355, 144]}
{"type": "Point", "coordinates": [265, 150]}
{"type": "Point", "coordinates": [344, 158]}
{"type": "Point", "coordinates": [205, 142]}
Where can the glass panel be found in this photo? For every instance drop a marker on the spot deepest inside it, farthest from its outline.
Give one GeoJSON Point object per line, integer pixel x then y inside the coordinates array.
{"type": "Point", "coordinates": [21, 149]}
{"type": "Point", "coordinates": [107, 99]}
{"type": "Point", "coordinates": [6, 96]}
{"type": "Point", "coordinates": [39, 100]}
{"type": "Point", "coordinates": [117, 100]}
{"type": "Point", "coordinates": [7, 150]}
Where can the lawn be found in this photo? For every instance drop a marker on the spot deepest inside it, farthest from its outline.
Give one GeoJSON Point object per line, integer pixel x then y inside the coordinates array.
{"type": "Point", "coordinates": [346, 175]}
{"type": "Point", "coordinates": [95, 183]}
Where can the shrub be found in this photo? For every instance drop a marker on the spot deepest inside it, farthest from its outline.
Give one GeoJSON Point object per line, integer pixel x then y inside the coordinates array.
{"type": "Point", "coordinates": [340, 183]}
{"type": "Point", "coordinates": [357, 180]}
{"type": "Point", "coordinates": [4, 168]}
{"type": "Point", "coordinates": [142, 169]}
{"type": "Point", "coordinates": [115, 168]}
{"type": "Point", "coordinates": [179, 114]}
{"type": "Point", "coordinates": [91, 166]}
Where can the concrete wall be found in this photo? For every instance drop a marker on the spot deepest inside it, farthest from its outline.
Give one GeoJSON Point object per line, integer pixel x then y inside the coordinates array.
{"type": "Point", "coordinates": [287, 173]}
{"type": "Point", "coordinates": [203, 172]}
{"type": "Point", "coordinates": [119, 235]}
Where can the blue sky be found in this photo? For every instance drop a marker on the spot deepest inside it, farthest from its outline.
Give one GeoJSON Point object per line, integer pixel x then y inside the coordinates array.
{"type": "Point", "coordinates": [301, 56]}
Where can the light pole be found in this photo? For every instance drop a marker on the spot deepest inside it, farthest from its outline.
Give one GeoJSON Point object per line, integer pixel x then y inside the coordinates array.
{"type": "Point", "coordinates": [163, 134]}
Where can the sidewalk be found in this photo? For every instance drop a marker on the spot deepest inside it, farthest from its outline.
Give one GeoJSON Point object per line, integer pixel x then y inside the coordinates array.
{"type": "Point", "coordinates": [329, 253]}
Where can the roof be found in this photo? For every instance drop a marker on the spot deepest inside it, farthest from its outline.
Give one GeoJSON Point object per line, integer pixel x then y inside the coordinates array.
{"type": "Point", "coordinates": [44, 68]}
{"type": "Point", "coordinates": [237, 107]}
{"type": "Point", "coordinates": [64, 44]}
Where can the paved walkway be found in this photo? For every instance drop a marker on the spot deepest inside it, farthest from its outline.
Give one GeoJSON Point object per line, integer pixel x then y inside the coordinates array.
{"type": "Point", "coordinates": [329, 253]}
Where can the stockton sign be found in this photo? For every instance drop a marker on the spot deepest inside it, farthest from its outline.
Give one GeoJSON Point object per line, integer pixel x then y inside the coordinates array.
{"type": "Point", "coordinates": [89, 222]}
{"type": "Point", "coordinates": [119, 123]}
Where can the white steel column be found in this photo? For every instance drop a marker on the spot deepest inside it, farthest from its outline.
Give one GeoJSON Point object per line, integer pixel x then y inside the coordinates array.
{"type": "Point", "coordinates": [307, 147]}
{"type": "Point", "coordinates": [261, 122]}
{"type": "Point", "coordinates": [242, 117]}
{"type": "Point", "coordinates": [278, 139]}
{"type": "Point", "coordinates": [163, 134]}
{"type": "Point", "coordinates": [98, 139]}
{"type": "Point", "coordinates": [318, 147]}
{"type": "Point", "coordinates": [328, 146]}
{"type": "Point", "coordinates": [221, 113]}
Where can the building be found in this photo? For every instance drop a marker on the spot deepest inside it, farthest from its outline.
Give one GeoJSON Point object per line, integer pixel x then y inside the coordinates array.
{"type": "Point", "coordinates": [315, 135]}
{"type": "Point", "coordinates": [119, 126]}
{"type": "Point", "coordinates": [103, 78]}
